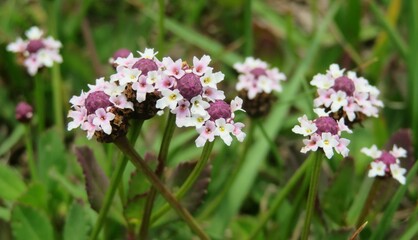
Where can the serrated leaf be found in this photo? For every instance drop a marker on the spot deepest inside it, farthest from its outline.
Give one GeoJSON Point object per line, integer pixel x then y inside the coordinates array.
{"type": "Point", "coordinates": [77, 223]}
{"type": "Point", "coordinates": [11, 183]}
{"type": "Point", "coordinates": [96, 180]}
{"type": "Point", "coordinates": [137, 192]}
{"type": "Point", "coordinates": [28, 223]}
{"type": "Point", "coordinates": [36, 196]}
{"type": "Point", "coordinates": [194, 197]}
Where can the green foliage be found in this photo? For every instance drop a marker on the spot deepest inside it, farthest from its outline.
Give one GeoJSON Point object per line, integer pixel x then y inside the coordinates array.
{"type": "Point", "coordinates": [77, 223]}
{"type": "Point", "coordinates": [11, 183]}
{"type": "Point", "coordinates": [28, 223]}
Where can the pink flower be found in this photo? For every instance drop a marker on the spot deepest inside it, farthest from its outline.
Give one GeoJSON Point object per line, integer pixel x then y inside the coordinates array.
{"type": "Point", "coordinates": [200, 66]}
{"type": "Point", "coordinates": [102, 119]}
{"type": "Point", "coordinates": [206, 133]}
{"type": "Point", "coordinates": [173, 68]}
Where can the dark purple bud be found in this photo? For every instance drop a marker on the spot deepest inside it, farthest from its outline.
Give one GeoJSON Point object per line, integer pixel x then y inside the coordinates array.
{"type": "Point", "coordinates": [96, 100]}
{"type": "Point", "coordinates": [145, 65]}
{"type": "Point", "coordinates": [189, 86]}
{"type": "Point", "coordinates": [121, 53]}
{"type": "Point", "coordinates": [344, 84]}
{"type": "Point", "coordinates": [219, 109]}
{"type": "Point", "coordinates": [34, 45]}
{"type": "Point", "coordinates": [24, 112]}
{"type": "Point", "coordinates": [326, 124]}
{"type": "Point", "coordinates": [387, 158]}
{"type": "Point", "coordinates": [257, 72]}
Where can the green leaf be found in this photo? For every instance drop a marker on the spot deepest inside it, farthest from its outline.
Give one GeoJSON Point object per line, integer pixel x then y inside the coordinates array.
{"type": "Point", "coordinates": [77, 223]}
{"type": "Point", "coordinates": [11, 183]}
{"type": "Point", "coordinates": [5, 214]}
{"type": "Point", "coordinates": [36, 196]}
{"type": "Point", "coordinates": [51, 154]}
{"type": "Point", "coordinates": [28, 223]}
{"type": "Point", "coordinates": [16, 135]}
{"type": "Point", "coordinates": [137, 191]}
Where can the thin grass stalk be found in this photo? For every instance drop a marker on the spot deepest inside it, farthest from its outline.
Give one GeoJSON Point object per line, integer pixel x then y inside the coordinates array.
{"type": "Point", "coordinates": [313, 189]}
{"type": "Point", "coordinates": [248, 28]}
{"type": "Point", "coordinates": [40, 103]}
{"type": "Point", "coordinates": [277, 201]}
{"type": "Point", "coordinates": [123, 144]}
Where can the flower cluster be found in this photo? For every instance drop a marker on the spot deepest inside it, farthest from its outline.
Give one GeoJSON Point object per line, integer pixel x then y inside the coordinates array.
{"type": "Point", "coordinates": [346, 96]}
{"type": "Point", "coordinates": [37, 51]}
{"type": "Point", "coordinates": [256, 77]}
{"type": "Point", "coordinates": [143, 86]}
{"type": "Point", "coordinates": [191, 93]}
{"type": "Point", "coordinates": [256, 83]}
{"type": "Point", "coordinates": [386, 163]}
{"type": "Point", "coordinates": [323, 132]}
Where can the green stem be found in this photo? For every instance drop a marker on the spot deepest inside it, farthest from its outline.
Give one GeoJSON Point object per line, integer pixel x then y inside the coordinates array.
{"type": "Point", "coordinates": [161, 26]}
{"type": "Point", "coordinates": [220, 197]}
{"type": "Point", "coordinates": [248, 28]}
{"type": "Point", "coordinates": [271, 143]}
{"type": "Point", "coordinates": [277, 201]}
{"type": "Point", "coordinates": [114, 183]}
{"type": "Point", "coordinates": [369, 202]}
{"type": "Point", "coordinates": [40, 102]}
{"type": "Point", "coordinates": [29, 152]}
{"type": "Point", "coordinates": [204, 157]}
{"type": "Point", "coordinates": [313, 188]}
{"type": "Point", "coordinates": [162, 157]}
{"type": "Point", "coordinates": [123, 144]}
{"type": "Point", "coordinates": [57, 101]}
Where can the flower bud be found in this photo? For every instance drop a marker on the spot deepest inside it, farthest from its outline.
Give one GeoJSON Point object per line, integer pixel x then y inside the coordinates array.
{"type": "Point", "coordinates": [24, 112]}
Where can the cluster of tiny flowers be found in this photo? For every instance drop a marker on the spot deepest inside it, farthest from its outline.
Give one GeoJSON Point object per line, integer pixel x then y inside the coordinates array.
{"type": "Point", "coordinates": [323, 132]}
{"type": "Point", "coordinates": [36, 51]}
{"type": "Point", "coordinates": [191, 93]}
{"type": "Point", "coordinates": [107, 105]}
{"type": "Point", "coordinates": [386, 163]}
{"type": "Point", "coordinates": [346, 96]}
{"type": "Point", "coordinates": [256, 77]}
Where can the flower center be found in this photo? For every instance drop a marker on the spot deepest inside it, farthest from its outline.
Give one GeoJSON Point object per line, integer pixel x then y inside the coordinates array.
{"type": "Point", "coordinates": [121, 53]}
{"type": "Point", "coordinates": [344, 84]}
{"type": "Point", "coordinates": [219, 109]}
{"type": "Point", "coordinates": [387, 158]}
{"type": "Point", "coordinates": [145, 65]}
{"type": "Point", "coordinates": [96, 100]}
{"type": "Point", "coordinates": [189, 86]}
{"type": "Point", "coordinates": [326, 124]}
{"type": "Point", "coordinates": [35, 45]}
{"type": "Point", "coordinates": [257, 72]}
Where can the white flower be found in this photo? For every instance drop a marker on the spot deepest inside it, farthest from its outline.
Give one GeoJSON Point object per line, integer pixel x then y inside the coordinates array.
{"type": "Point", "coordinates": [327, 143]}
{"type": "Point", "coordinates": [223, 130]}
{"type": "Point", "coordinates": [121, 102]}
{"type": "Point", "coordinates": [377, 169]}
{"type": "Point", "coordinates": [129, 75]}
{"type": "Point", "coordinates": [213, 94]}
{"type": "Point", "coordinates": [237, 132]}
{"type": "Point", "coordinates": [335, 71]}
{"type": "Point", "coordinates": [89, 126]}
{"type": "Point", "coordinates": [398, 173]}
{"type": "Point", "coordinates": [173, 68]}
{"type": "Point", "coordinates": [306, 127]}
{"type": "Point", "coordinates": [311, 144]}
{"type": "Point", "coordinates": [339, 100]}
{"type": "Point", "coordinates": [398, 152]}
{"type": "Point", "coordinates": [372, 152]}
{"type": "Point", "coordinates": [210, 79]}
{"type": "Point", "coordinates": [78, 116]}
{"type": "Point", "coordinates": [170, 99]}
{"type": "Point", "coordinates": [34, 33]}
{"type": "Point", "coordinates": [206, 133]}
{"type": "Point", "coordinates": [322, 81]}
{"type": "Point", "coordinates": [148, 53]}
{"type": "Point", "coordinates": [199, 105]}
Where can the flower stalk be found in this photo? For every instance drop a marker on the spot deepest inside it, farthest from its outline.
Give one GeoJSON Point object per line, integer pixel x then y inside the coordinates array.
{"type": "Point", "coordinates": [162, 157]}
{"type": "Point", "coordinates": [30, 153]}
{"type": "Point", "coordinates": [313, 189]}
{"type": "Point", "coordinates": [123, 144]}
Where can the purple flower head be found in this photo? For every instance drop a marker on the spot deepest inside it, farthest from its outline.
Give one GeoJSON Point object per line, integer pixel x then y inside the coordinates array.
{"type": "Point", "coordinates": [258, 71]}
{"type": "Point", "coordinates": [326, 124]}
{"type": "Point", "coordinates": [96, 100]}
{"type": "Point", "coordinates": [189, 86]}
{"type": "Point", "coordinates": [36, 51]}
{"type": "Point", "coordinates": [35, 45]}
{"type": "Point", "coordinates": [386, 164]}
{"type": "Point", "coordinates": [24, 112]}
{"type": "Point", "coordinates": [121, 53]}
{"type": "Point", "coordinates": [344, 84]}
{"type": "Point", "coordinates": [219, 109]}
{"type": "Point", "coordinates": [145, 65]}
{"type": "Point", "coordinates": [387, 159]}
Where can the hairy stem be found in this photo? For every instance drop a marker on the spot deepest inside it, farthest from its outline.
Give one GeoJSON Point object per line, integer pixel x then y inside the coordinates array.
{"type": "Point", "coordinates": [123, 144]}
